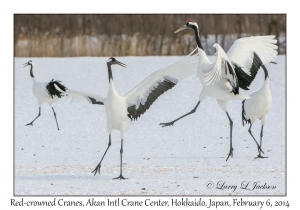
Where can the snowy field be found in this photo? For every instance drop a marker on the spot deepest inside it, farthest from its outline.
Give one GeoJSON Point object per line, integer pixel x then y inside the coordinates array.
{"type": "Point", "coordinates": [186, 159]}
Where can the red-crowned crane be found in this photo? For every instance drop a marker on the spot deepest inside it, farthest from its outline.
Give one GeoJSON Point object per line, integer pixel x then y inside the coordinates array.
{"type": "Point", "coordinates": [257, 107]}
{"type": "Point", "coordinates": [236, 69]}
{"type": "Point", "coordinates": [50, 92]}
{"type": "Point", "coordinates": [121, 110]}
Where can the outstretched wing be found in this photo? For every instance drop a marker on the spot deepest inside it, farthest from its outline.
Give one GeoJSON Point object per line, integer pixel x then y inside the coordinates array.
{"type": "Point", "coordinates": [56, 89]}
{"type": "Point", "coordinates": [221, 69]}
{"type": "Point", "coordinates": [143, 95]}
{"type": "Point", "coordinates": [249, 53]}
{"type": "Point", "coordinates": [79, 96]}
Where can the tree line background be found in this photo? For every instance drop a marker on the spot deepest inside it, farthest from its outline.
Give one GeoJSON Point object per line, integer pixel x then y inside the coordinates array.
{"type": "Point", "coordinates": [58, 35]}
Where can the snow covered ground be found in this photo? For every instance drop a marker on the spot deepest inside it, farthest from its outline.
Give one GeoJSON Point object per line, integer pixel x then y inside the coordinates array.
{"type": "Point", "coordinates": [186, 159]}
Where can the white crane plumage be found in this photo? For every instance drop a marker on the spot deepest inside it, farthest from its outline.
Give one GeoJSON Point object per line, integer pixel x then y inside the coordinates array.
{"type": "Point", "coordinates": [236, 69]}
{"type": "Point", "coordinates": [257, 107]}
{"type": "Point", "coordinates": [121, 110]}
{"type": "Point", "coordinates": [50, 92]}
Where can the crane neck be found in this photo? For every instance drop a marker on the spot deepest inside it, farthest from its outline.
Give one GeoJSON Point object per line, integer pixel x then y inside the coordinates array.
{"type": "Point", "coordinates": [112, 90]}
{"type": "Point", "coordinates": [197, 37]}
{"type": "Point", "coordinates": [31, 71]}
{"type": "Point", "coordinates": [265, 71]}
{"type": "Point", "coordinates": [110, 76]}
{"type": "Point", "coordinates": [265, 86]}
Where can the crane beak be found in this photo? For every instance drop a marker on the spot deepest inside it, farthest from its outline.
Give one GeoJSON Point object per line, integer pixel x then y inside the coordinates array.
{"type": "Point", "coordinates": [121, 64]}
{"type": "Point", "coordinates": [181, 28]}
{"type": "Point", "coordinates": [25, 64]}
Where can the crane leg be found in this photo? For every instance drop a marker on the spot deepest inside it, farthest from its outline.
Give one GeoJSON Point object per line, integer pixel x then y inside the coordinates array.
{"type": "Point", "coordinates": [258, 147]}
{"type": "Point", "coordinates": [121, 152]}
{"type": "Point", "coordinates": [261, 135]}
{"type": "Point", "coordinates": [35, 118]}
{"type": "Point", "coordinates": [97, 169]}
{"type": "Point", "coordinates": [55, 118]}
{"type": "Point", "coordinates": [230, 149]}
{"type": "Point", "coordinates": [172, 122]}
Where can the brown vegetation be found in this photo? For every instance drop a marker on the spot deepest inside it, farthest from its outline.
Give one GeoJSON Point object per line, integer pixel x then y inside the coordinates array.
{"type": "Point", "coordinates": [40, 35]}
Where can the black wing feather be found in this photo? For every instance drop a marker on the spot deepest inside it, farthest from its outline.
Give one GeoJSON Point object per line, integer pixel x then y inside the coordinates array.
{"type": "Point", "coordinates": [162, 87]}
{"type": "Point", "coordinates": [52, 91]}
{"type": "Point", "coordinates": [94, 101]}
{"type": "Point", "coordinates": [244, 79]}
{"type": "Point", "coordinates": [235, 88]}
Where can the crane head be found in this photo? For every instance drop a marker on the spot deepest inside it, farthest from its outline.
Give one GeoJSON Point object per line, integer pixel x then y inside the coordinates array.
{"type": "Point", "coordinates": [190, 24]}
{"type": "Point", "coordinates": [113, 61]}
{"type": "Point", "coordinates": [30, 62]}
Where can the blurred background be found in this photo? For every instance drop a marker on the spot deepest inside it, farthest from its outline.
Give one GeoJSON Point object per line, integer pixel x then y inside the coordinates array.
{"type": "Point", "coordinates": [58, 35]}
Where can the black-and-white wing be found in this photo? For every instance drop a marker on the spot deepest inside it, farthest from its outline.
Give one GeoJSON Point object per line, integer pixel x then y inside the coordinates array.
{"type": "Point", "coordinates": [79, 96]}
{"type": "Point", "coordinates": [143, 95]}
{"type": "Point", "coordinates": [248, 54]}
{"type": "Point", "coordinates": [55, 89]}
{"type": "Point", "coordinates": [221, 69]}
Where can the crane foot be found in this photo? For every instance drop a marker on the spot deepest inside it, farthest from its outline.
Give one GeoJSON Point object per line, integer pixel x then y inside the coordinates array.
{"type": "Point", "coordinates": [97, 169]}
{"type": "Point", "coordinates": [120, 177]}
{"type": "Point", "coordinates": [230, 153]}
